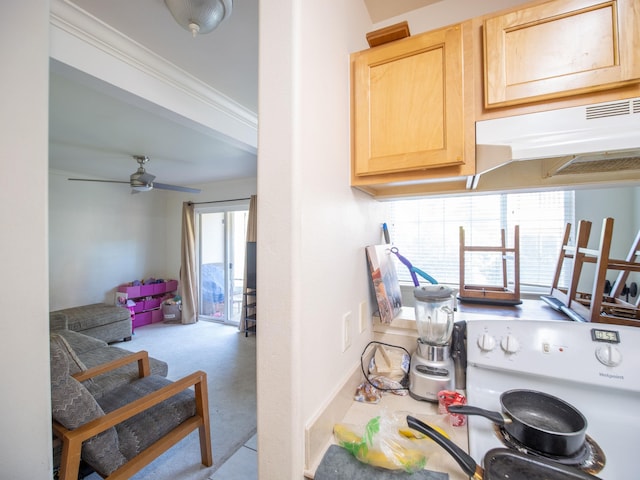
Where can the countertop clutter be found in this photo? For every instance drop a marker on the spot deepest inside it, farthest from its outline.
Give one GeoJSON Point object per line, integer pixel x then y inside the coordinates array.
{"type": "Point", "coordinates": [437, 459]}
{"type": "Point", "coordinates": [402, 332]}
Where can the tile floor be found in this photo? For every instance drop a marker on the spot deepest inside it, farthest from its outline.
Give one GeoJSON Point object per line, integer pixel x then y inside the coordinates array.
{"type": "Point", "coordinates": [242, 465]}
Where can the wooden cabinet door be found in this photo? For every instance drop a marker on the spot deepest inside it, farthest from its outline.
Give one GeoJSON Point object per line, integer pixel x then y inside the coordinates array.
{"type": "Point", "coordinates": [560, 48]}
{"type": "Point", "coordinates": [408, 105]}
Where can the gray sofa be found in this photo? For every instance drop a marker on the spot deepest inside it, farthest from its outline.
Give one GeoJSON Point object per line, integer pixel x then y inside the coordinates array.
{"type": "Point", "coordinates": [105, 322]}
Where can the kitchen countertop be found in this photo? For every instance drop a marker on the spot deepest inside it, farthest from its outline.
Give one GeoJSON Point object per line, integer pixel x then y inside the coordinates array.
{"type": "Point", "coordinates": [529, 309]}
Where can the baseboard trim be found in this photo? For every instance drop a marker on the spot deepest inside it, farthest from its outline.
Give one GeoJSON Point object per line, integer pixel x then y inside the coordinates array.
{"type": "Point", "coordinates": [318, 433]}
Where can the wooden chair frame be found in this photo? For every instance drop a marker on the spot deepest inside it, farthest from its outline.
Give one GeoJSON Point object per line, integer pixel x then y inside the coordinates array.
{"type": "Point", "coordinates": [595, 306]}
{"type": "Point", "coordinates": [576, 256]}
{"type": "Point", "coordinates": [72, 439]}
{"type": "Point", "coordinates": [601, 308]}
{"type": "Point", "coordinates": [633, 259]}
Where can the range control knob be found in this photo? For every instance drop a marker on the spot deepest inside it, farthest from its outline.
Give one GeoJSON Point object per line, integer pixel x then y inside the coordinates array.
{"type": "Point", "coordinates": [609, 355]}
{"type": "Point", "coordinates": [486, 342]}
{"type": "Point", "coordinates": [510, 344]}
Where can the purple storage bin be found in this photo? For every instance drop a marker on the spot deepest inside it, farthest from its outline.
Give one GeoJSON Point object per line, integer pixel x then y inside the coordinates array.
{"type": "Point", "coordinates": [146, 290]}
{"type": "Point", "coordinates": [131, 292]}
{"type": "Point", "coordinates": [156, 316]}
{"type": "Point", "coordinates": [152, 303]}
{"type": "Point", "coordinates": [143, 318]}
{"type": "Point", "coordinates": [138, 307]}
{"type": "Point", "coordinates": [158, 288]}
{"type": "Point", "coordinates": [171, 286]}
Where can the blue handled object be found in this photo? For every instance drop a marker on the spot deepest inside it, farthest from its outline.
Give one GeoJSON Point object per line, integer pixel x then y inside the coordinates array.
{"type": "Point", "coordinates": [413, 270]}
{"type": "Point", "coordinates": [385, 232]}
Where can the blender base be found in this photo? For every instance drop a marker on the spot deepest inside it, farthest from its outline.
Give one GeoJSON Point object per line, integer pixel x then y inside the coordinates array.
{"type": "Point", "coordinates": [425, 386]}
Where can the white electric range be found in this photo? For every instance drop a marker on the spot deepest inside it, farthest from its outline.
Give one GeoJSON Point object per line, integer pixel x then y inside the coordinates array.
{"type": "Point", "coordinates": [594, 367]}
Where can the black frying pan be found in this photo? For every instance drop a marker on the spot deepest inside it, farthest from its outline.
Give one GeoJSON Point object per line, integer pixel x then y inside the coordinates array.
{"type": "Point", "coordinates": [536, 419]}
{"type": "Point", "coordinates": [502, 463]}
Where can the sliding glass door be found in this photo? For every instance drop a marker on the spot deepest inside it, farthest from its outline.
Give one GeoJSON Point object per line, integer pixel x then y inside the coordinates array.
{"type": "Point", "coordinates": [221, 254]}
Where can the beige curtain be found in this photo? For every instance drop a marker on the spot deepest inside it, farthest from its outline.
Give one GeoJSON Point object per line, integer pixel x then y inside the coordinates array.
{"type": "Point", "coordinates": [188, 272]}
{"type": "Point", "coordinates": [252, 227]}
{"type": "Point", "coordinates": [252, 236]}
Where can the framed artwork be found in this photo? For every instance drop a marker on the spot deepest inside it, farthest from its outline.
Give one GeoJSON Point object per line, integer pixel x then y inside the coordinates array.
{"type": "Point", "coordinates": [385, 281]}
{"type": "Point", "coordinates": [121, 299]}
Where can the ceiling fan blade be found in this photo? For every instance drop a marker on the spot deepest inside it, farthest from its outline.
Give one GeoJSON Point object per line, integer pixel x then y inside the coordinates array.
{"type": "Point", "coordinates": [141, 181]}
{"type": "Point", "coordinates": [95, 180]}
{"type": "Point", "coordinates": [164, 186]}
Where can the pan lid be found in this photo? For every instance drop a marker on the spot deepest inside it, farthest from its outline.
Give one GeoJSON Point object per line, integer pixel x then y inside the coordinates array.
{"type": "Point", "coordinates": [502, 463]}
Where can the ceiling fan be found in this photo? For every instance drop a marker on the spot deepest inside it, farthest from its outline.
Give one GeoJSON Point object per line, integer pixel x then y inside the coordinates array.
{"type": "Point", "coordinates": [141, 181]}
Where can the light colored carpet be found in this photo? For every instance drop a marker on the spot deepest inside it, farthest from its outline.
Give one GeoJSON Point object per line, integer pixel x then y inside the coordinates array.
{"type": "Point", "coordinates": [229, 359]}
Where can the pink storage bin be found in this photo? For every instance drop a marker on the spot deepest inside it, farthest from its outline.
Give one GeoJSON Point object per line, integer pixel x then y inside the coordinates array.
{"type": "Point", "coordinates": [131, 292]}
{"type": "Point", "coordinates": [156, 316]}
{"type": "Point", "coordinates": [141, 319]}
{"type": "Point", "coordinates": [171, 286]}
{"type": "Point", "coordinates": [146, 290]}
{"type": "Point", "coordinates": [158, 288]}
{"type": "Point", "coordinates": [138, 307]}
{"type": "Point", "coordinates": [152, 303]}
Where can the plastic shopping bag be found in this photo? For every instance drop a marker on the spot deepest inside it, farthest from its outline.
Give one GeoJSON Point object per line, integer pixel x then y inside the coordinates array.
{"type": "Point", "coordinates": [381, 444]}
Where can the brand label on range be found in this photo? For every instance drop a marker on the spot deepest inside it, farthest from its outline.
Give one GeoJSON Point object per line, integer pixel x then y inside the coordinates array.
{"type": "Point", "coordinates": [611, 375]}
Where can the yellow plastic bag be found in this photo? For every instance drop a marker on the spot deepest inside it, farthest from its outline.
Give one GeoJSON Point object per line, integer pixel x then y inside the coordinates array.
{"type": "Point", "coordinates": [381, 444]}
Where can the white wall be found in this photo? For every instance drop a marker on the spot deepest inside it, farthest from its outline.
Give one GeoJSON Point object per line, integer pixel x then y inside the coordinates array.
{"type": "Point", "coordinates": [101, 236]}
{"type": "Point", "coordinates": [25, 423]}
{"type": "Point", "coordinates": [619, 203]}
{"type": "Point", "coordinates": [312, 228]}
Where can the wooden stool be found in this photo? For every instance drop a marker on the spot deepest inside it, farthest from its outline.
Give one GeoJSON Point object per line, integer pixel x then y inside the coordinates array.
{"type": "Point", "coordinates": [493, 295]}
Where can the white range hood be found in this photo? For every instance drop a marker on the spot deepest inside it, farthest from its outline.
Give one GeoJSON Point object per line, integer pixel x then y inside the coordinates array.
{"type": "Point", "coordinates": [602, 137]}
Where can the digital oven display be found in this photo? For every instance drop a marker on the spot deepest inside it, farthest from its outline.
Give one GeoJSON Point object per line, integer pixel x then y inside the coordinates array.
{"type": "Point", "coordinates": [609, 336]}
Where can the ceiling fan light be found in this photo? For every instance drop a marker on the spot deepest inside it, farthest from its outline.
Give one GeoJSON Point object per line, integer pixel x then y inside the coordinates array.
{"type": "Point", "coordinates": [142, 188]}
{"type": "Point", "coordinates": [199, 16]}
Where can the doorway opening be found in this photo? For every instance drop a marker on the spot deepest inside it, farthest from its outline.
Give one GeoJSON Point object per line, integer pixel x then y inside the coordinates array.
{"type": "Point", "coordinates": [221, 234]}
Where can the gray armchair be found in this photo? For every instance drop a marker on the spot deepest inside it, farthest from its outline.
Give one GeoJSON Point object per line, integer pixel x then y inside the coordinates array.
{"type": "Point", "coordinates": [129, 426]}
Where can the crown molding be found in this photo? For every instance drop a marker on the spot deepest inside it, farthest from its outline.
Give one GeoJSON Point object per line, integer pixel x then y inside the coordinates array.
{"type": "Point", "coordinates": [75, 24]}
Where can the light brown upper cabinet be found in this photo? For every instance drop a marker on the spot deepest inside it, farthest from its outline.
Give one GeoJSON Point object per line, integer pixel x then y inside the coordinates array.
{"type": "Point", "coordinates": [560, 48]}
{"type": "Point", "coordinates": [408, 107]}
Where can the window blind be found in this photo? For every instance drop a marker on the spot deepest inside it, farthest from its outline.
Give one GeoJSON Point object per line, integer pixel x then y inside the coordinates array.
{"type": "Point", "coordinates": [427, 232]}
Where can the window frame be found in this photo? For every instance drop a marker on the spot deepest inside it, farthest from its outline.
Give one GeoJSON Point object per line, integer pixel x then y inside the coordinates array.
{"type": "Point", "coordinates": [542, 226]}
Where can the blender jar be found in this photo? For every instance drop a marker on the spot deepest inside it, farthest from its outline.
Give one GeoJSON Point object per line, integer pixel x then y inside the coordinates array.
{"type": "Point", "coordinates": [434, 313]}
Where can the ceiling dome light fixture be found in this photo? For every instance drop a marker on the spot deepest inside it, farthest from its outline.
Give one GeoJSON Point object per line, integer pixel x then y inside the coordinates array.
{"type": "Point", "coordinates": [199, 16]}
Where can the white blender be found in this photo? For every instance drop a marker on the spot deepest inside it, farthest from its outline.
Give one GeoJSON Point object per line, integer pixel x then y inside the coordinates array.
{"type": "Point", "coordinates": [432, 368]}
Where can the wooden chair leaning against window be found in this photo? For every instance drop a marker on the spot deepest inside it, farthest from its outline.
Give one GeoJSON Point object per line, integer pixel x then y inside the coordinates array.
{"type": "Point", "coordinates": [115, 456]}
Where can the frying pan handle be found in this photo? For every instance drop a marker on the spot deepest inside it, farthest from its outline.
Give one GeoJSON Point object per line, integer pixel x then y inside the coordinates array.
{"type": "Point", "coordinates": [495, 417]}
{"type": "Point", "coordinates": [465, 461]}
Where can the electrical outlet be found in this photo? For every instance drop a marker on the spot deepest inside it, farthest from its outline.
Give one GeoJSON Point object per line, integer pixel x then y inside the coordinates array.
{"type": "Point", "coordinates": [346, 331]}
{"type": "Point", "coordinates": [364, 315]}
